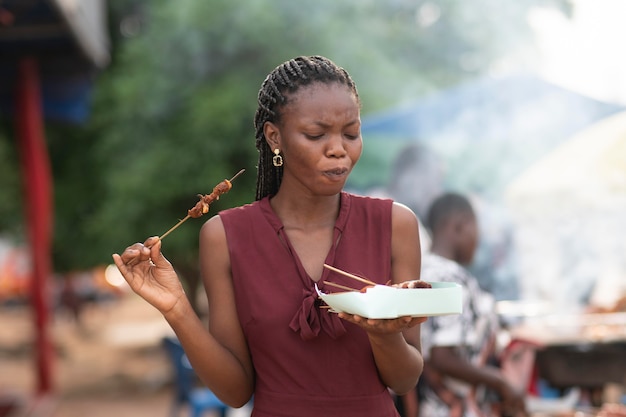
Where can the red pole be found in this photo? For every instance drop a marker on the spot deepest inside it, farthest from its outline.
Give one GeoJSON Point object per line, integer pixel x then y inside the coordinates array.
{"type": "Point", "coordinates": [38, 208]}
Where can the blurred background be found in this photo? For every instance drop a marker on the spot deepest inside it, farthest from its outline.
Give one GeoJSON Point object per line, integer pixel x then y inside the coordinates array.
{"type": "Point", "coordinates": [115, 114]}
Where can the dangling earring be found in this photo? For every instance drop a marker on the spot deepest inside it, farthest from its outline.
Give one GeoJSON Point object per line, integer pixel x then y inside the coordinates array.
{"type": "Point", "coordinates": [277, 160]}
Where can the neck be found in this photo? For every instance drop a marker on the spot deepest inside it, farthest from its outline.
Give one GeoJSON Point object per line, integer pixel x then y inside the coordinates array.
{"type": "Point", "coordinates": [306, 211]}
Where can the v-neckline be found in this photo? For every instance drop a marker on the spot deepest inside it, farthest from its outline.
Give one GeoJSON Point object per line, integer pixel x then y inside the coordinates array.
{"type": "Point", "coordinates": [340, 222]}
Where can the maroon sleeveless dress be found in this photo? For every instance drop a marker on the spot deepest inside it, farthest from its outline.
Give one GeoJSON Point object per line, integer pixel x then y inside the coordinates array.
{"type": "Point", "coordinates": [308, 362]}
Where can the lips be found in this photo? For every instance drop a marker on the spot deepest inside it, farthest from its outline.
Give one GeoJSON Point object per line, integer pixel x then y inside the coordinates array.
{"type": "Point", "coordinates": [336, 173]}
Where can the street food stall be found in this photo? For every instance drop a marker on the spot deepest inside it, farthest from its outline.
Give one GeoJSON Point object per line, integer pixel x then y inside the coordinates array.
{"type": "Point", "coordinates": [583, 350]}
{"type": "Point", "coordinates": [586, 350]}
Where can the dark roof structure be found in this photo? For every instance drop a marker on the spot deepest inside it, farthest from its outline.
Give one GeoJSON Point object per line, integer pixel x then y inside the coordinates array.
{"type": "Point", "coordinates": [69, 40]}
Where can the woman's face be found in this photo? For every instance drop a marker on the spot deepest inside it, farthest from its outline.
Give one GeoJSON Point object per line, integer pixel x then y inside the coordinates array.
{"type": "Point", "coordinates": [319, 136]}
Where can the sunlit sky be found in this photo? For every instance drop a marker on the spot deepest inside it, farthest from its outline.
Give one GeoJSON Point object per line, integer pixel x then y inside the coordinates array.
{"type": "Point", "coordinates": [585, 53]}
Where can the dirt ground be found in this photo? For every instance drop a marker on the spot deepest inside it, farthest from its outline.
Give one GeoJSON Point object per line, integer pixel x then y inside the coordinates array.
{"type": "Point", "coordinates": [110, 364]}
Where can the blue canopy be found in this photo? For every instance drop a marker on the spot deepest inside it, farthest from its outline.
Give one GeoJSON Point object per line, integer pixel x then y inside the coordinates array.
{"type": "Point", "coordinates": [488, 122]}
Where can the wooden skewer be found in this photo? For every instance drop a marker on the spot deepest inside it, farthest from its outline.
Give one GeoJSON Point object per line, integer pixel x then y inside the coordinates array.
{"type": "Point", "coordinates": [174, 227]}
{"type": "Point", "coordinates": [347, 274]}
{"type": "Point", "coordinates": [343, 287]}
{"type": "Point", "coordinates": [188, 216]}
{"type": "Point", "coordinates": [237, 174]}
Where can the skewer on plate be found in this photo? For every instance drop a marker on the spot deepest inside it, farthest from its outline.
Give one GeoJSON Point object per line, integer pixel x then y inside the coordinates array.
{"type": "Point", "coordinates": [343, 287]}
{"type": "Point", "coordinates": [347, 274]}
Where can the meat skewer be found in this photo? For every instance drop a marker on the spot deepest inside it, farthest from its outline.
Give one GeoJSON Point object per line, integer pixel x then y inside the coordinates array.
{"type": "Point", "coordinates": [202, 206]}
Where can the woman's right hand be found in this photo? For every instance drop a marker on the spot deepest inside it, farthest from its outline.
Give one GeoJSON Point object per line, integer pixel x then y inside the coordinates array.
{"type": "Point", "coordinates": [150, 274]}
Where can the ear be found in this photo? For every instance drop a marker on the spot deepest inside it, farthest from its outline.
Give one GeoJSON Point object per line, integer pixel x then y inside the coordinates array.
{"type": "Point", "coordinates": [272, 135]}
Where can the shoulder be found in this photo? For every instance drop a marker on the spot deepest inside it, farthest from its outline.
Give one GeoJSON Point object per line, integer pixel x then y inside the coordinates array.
{"type": "Point", "coordinates": [386, 205]}
{"type": "Point", "coordinates": [216, 226]}
{"type": "Point", "coordinates": [404, 221]}
{"type": "Point", "coordinates": [398, 209]}
{"type": "Point", "coordinates": [244, 210]}
{"type": "Point", "coordinates": [365, 201]}
{"type": "Point", "coordinates": [402, 214]}
{"type": "Point", "coordinates": [371, 212]}
{"type": "Point", "coordinates": [240, 216]}
{"type": "Point", "coordinates": [401, 218]}
{"type": "Point", "coordinates": [212, 231]}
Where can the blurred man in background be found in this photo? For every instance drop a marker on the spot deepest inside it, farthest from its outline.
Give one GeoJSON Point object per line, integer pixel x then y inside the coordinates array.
{"type": "Point", "coordinates": [460, 375]}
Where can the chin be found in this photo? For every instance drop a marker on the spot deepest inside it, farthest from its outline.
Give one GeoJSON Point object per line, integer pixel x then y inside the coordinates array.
{"type": "Point", "coordinates": [330, 191]}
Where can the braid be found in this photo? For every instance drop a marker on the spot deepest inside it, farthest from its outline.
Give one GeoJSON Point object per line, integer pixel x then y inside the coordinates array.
{"type": "Point", "coordinates": [274, 94]}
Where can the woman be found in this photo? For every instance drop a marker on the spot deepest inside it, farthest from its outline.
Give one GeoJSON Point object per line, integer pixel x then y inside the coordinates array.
{"type": "Point", "coordinates": [268, 335]}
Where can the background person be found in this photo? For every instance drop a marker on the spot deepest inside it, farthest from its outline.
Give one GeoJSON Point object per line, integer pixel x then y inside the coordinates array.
{"type": "Point", "coordinates": [459, 377]}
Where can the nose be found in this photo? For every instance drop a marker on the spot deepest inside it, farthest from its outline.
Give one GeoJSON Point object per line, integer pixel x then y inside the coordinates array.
{"type": "Point", "coordinates": [336, 146]}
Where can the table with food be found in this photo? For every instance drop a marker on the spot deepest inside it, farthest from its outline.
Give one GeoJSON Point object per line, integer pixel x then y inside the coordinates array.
{"type": "Point", "coordinates": [580, 353]}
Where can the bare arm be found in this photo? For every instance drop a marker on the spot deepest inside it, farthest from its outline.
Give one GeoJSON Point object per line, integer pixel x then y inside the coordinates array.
{"type": "Point", "coordinates": [410, 403]}
{"type": "Point", "coordinates": [219, 355]}
{"type": "Point", "coordinates": [447, 361]}
{"type": "Point", "coordinates": [396, 343]}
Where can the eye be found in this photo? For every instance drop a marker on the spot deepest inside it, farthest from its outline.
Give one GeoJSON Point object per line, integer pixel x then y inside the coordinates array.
{"type": "Point", "coordinates": [352, 136]}
{"type": "Point", "coordinates": [314, 136]}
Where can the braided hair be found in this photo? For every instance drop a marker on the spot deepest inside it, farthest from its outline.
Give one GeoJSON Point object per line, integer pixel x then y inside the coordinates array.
{"type": "Point", "coordinates": [274, 94]}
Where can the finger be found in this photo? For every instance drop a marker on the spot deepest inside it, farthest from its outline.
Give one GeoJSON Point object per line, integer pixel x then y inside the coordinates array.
{"type": "Point", "coordinates": [121, 266]}
{"type": "Point", "coordinates": [155, 247]}
{"type": "Point", "coordinates": [352, 318]}
{"type": "Point", "coordinates": [129, 254]}
{"type": "Point", "coordinates": [151, 241]}
{"type": "Point", "coordinates": [134, 250]}
{"type": "Point", "coordinates": [117, 260]}
{"type": "Point", "coordinates": [418, 320]}
{"type": "Point", "coordinates": [157, 256]}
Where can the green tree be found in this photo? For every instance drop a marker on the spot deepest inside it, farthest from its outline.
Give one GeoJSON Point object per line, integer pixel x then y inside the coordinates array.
{"type": "Point", "coordinates": [172, 115]}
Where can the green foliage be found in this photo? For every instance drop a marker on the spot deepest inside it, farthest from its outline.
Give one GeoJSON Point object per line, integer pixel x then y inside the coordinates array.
{"type": "Point", "coordinates": [10, 186]}
{"type": "Point", "coordinates": [371, 168]}
{"type": "Point", "coordinates": [172, 115]}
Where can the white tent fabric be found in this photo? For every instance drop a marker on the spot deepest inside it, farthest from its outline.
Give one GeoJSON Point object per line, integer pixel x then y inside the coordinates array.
{"type": "Point", "coordinates": [569, 211]}
{"type": "Point", "coordinates": [588, 169]}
